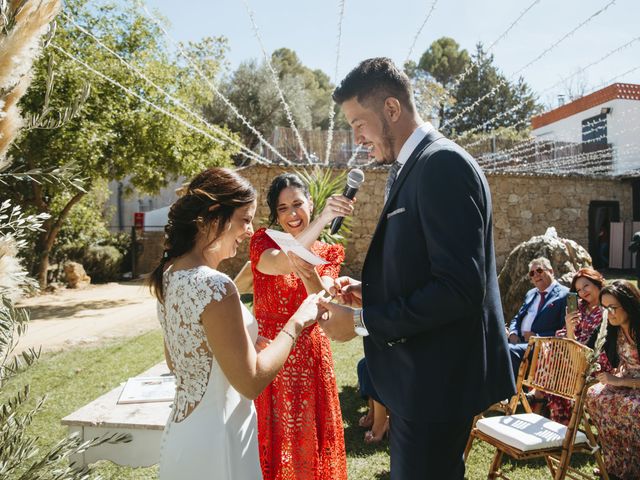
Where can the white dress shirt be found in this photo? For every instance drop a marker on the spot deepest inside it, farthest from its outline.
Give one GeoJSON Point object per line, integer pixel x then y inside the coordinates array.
{"type": "Point", "coordinates": [412, 142]}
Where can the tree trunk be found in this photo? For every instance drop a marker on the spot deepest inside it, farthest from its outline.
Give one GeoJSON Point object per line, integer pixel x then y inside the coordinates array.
{"type": "Point", "coordinates": [48, 238]}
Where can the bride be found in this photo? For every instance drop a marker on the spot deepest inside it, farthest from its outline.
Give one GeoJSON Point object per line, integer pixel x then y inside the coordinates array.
{"type": "Point", "coordinates": [211, 341]}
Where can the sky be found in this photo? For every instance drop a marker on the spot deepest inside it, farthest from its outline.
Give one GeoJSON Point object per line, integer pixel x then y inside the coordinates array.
{"type": "Point", "coordinates": [388, 28]}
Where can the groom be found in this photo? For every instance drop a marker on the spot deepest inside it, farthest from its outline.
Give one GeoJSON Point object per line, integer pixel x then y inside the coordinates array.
{"type": "Point", "coordinates": [431, 317]}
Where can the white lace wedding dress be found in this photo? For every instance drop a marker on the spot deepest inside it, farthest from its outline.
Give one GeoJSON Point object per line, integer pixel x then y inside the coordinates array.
{"type": "Point", "coordinates": [212, 432]}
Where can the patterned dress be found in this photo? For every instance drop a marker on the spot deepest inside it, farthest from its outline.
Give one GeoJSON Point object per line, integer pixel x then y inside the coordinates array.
{"type": "Point", "coordinates": [616, 414]}
{"type": "Point", "coordinates": [560, 408]}
{"type": "Point", "coordinates": [300, 430]}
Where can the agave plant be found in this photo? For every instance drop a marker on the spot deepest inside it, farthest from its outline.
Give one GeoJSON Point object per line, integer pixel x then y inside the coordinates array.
{"type": "Point", "coordinates": [322, 183]}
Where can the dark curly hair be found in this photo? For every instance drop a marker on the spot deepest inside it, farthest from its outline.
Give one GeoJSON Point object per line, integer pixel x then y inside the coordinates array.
{"type": "Point", "coordinates": [372, 82]}
{"type": "Point", "coordinates": [213, 195]}
{"type": "Point", "coordinates": [629, 297]}
{"type": "Point", "coordinates": [278, 184]}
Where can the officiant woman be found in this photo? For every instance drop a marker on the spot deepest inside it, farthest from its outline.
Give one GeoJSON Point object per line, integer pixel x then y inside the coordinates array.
{"type": "Point", "coordinates": [300, 430]}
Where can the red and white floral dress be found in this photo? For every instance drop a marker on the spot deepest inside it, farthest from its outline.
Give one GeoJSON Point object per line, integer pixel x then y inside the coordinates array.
{"type": "Point", "coordinates": [300, 430]}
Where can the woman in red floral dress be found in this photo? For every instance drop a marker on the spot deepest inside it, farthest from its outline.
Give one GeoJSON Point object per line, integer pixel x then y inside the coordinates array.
{"type": "Point", "coordinates": [300, 430]}
{"type": "Point", "coordinates": [614, 403]}
{"type": "Point", "coordinates": [580, 326]}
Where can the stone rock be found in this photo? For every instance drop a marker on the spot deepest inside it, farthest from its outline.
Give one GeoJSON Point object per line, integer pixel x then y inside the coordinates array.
{"type": "Point", "coordinates": [75, 275]}
{"type": "Point", "coordinates": [566, 257]}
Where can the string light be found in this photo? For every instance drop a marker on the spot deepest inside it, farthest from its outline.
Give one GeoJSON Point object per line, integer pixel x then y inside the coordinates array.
{"type": "Point", "coordinates": [276, 82]}
{"type": "Point", "coordinates": [171, 98]}
{"type": "Point", "coordinates": [417, 35]}
{"type": "Point", "coordinates": [469, 68]}
{"type": "Point", "coordinates": [503, 81]}
{"type": "Point", "coordinates": [332, 112]}
{"type": "Point", "coordinates": [212, 86]}
{"type": "Point", "coordinates": [142, 99]}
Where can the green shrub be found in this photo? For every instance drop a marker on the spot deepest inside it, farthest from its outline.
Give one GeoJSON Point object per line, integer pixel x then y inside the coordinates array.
{"type": "Point", "coordinates": [103, 263]}
{"type": "Point", "coordinates": [122, 241]}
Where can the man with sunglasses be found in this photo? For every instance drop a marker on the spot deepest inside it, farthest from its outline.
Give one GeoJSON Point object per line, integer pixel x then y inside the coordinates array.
{"type": "Point", "coordinates": [542, 312]}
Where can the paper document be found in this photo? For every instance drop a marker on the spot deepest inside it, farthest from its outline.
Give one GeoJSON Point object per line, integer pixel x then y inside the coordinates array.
{"type": "Point", "coordinates": [288, 243]}
{"type": "Point", "coordinates": [148, 389]}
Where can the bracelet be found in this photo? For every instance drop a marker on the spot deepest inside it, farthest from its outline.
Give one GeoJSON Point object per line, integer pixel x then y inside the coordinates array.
{"type": "Point", "coordinates": [293, 338]}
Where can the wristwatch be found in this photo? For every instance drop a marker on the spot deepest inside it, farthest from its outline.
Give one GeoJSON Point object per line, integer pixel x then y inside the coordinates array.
{"type": "Point", "coordinates": [358, 324]}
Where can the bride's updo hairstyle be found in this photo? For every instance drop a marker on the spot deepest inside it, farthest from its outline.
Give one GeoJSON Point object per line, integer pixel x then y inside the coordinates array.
{"type": "Point", "coordinates": [211, 198]}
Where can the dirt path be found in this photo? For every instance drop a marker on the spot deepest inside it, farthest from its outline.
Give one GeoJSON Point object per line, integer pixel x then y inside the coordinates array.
{"type": "Point", "coordinates": [79, 317]}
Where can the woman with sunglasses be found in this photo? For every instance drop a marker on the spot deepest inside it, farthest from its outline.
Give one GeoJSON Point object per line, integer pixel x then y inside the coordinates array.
{"type": "Point", "coordinates": [579, 325]}
{"type": "Point", "coordinates": [614, 403]}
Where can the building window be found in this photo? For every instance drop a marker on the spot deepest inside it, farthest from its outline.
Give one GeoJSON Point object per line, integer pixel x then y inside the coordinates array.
{"type": "Point", "coordinates": [594, 129]}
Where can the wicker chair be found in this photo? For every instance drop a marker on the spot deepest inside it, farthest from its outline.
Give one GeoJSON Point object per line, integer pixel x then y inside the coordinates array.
{"type": "Point", "coordinates": [552, 365]}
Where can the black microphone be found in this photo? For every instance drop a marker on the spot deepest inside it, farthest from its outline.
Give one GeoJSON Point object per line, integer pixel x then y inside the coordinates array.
{"type": "Point", "coordinates": [355, 178]}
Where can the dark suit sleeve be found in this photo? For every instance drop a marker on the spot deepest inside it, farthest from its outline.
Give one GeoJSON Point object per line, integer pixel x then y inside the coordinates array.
{"type": "Point", "coordinates": [452, 214]}
{"type": "Point", "coordinates": [513, 326]}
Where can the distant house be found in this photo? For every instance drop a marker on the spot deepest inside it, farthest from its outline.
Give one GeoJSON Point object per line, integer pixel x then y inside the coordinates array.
{"type": "Point", "coordinates": [605, 121]}
{"type": "Point", "coordinates": [125, 202]}
{"type": "Point", "coordinates": [598, 134]}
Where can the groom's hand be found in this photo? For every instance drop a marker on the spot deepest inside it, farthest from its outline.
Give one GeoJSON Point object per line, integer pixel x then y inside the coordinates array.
{"type": "Point", "coordinates": [348, 291]}
{"type": "Point", "coordinates": [336, 320]}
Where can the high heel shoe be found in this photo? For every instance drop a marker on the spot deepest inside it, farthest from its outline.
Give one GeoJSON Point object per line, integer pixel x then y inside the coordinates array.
{"type": "Point", "coordinates": [370, 437]}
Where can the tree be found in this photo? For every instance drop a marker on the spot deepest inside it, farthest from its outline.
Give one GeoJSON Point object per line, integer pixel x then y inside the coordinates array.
{"type": "Point", "coordinates": [444, 62]}
{"type": "Point", "coordinates": [431, 98]}
{"type": "Point", "coordinates": [486, 100]}
{"type": "Point", "coordinates": [252, 91]}
{"type": "Point", "coordinates": [316, 83]}
{"type": "Point", "coordinates": [116, 135]}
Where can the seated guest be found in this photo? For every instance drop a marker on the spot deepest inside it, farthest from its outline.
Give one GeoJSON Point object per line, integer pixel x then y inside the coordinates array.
{"type": "Point", "coordinates": [579, 325]}
{"type": "Point", "coordinates": [377, 418]}
{"type": "Point", "coordinates": [542, 312]}
{"type": "Point", "coordinates": [614, 403]}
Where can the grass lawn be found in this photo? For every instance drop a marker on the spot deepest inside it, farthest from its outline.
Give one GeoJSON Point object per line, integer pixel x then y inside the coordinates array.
{"type": "Point", "coordinates": [75, 377]}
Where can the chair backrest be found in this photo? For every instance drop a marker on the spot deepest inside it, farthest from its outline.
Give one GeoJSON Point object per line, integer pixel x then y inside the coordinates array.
{"type": "Point", "coordinates": [557, 366]}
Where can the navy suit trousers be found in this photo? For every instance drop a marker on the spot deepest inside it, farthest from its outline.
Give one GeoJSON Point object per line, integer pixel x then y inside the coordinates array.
{"type": "Point", "coordinates": [421, 450]}
{"type": "Point", "coordinates": [516, 351]}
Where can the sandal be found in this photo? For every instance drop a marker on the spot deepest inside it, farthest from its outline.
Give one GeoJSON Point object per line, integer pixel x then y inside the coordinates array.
{"type": "Point", "coordinates": [366, 421]}
{"type": "Point", "coordinates": [370, 437]}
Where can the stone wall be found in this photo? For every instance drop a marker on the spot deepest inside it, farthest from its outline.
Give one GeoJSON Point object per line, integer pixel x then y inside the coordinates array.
{"type": "Point", "coordinates": [523, 206]}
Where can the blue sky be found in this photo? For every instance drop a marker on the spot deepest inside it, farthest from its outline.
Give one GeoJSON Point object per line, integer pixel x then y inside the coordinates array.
{"type": "Point", "coordinates": [376, 28]}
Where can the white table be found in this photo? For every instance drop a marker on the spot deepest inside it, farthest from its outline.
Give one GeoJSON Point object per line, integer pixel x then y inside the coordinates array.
{"type": "Point", "coordinates": [143, 421]}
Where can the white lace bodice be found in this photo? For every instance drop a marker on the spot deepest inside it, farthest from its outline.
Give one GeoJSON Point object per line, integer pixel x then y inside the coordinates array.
{"type": "Point", "coordinates": [186, 294]}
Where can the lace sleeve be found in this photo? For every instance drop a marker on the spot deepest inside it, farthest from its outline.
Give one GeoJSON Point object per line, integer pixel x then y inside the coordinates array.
{"type": "Point", "coordinates": [334, 254]}
{"type": "Point", "coordinates": [260, 242]}
{"type": "Point", "coordinates": [215, 286]}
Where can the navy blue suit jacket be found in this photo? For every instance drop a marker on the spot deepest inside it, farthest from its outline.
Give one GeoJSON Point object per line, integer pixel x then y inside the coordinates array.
{"type": "Point", "coordinates": [437, 348]}
{"type": "Point", "coordinates": [549, 319]}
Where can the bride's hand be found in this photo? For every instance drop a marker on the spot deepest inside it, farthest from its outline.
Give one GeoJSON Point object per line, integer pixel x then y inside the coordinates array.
{"type": "Point", "coordinates": [262, 343]}
{"type": "Point", "coordinates": [307, 312]}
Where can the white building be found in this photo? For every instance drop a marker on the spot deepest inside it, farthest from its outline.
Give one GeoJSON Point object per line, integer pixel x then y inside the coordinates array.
{"type": "Point", "coordinates": [605, 119]}
{"type": "Point", "coordinates": [125, 202]}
